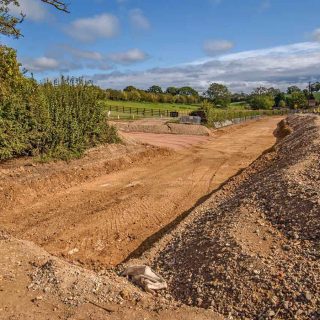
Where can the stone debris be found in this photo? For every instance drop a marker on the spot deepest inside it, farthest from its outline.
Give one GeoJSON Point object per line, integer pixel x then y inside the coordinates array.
{"type": "Point", "coordinates": [252, 250]}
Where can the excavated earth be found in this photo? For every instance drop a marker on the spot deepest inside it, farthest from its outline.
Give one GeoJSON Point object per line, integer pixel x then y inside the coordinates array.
{"type": "Point", "coordinates": [98, 210]}
{"type": "Point", "coordinates": [252, 250]}
{"type": "Point", "coordinates": [233, 240]}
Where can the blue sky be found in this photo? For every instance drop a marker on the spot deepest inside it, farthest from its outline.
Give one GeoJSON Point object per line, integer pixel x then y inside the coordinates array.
{"type": "Point", "coordinates": [242, 43]}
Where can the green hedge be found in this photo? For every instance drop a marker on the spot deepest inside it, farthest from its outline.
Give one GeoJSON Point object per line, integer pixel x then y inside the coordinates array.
{"type": "Point", "coordinates": [216, 115]}
{"type": "Point", "coordinates": [50, 120]}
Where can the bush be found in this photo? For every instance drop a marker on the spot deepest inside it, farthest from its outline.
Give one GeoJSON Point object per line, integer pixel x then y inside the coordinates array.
{"type": "Point", "coordinates": [282, 104]}
{"type": "Point", "coordinates": [297, 100]}
{"type": "Point", "coordinates": [261, 102]}
{"type": "Point", "coordinates": [77, 118]}
{"type": "Point", "coordinates": [51, 120]}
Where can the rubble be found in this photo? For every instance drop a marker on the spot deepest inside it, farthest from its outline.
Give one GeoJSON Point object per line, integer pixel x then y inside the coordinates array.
{"type": "Point", "coordinates": [252, 250]}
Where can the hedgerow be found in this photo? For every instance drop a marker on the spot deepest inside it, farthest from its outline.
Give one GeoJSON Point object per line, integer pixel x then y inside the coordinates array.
{"type": "Point", "coordinates": [52, 120]}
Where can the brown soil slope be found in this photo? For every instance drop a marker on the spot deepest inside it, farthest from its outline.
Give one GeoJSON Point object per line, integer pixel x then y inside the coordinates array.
{"type": "Point", "coordinates": [252, 250]}
{"type": "Point", "coordinates": [36, 285]}
{"type": "Point", "coordinates": [91, 212]}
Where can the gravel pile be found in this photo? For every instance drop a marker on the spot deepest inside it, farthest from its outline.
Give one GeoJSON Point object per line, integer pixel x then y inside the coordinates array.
{"type": "Point", "coordinates": [252, 250]}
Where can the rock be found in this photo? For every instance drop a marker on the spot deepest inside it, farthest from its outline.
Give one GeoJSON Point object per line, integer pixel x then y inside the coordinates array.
{"type": "Point", "coordinates": [271, 313]}
{"type": "Point", "coordinates": [73, 251]}
{"type": "Point", "coordinates": [308, 295]}
{"type": "Point", "coordinates": [38, 298]}
{"type": "Point", "coordinates": [286, 247]}
{"type": "Point", "coordinates": [125, 294]}
{"type": "Point", "coordinates": [199, 302]}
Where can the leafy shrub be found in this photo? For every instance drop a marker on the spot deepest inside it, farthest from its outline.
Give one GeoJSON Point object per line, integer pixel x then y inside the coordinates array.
{"type": "Point", "coordinates": [297, 100]}
{"type": "Point", "coordinates": [261, 102]}
{"type": "Point", "coordinates": [210, 115]}
{"type": "Point", "coordinates": [55, 120]}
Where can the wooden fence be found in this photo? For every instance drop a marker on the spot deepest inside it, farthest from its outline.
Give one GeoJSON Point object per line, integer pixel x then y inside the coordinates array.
{"type": "Point", "coordinates": [147, 112]}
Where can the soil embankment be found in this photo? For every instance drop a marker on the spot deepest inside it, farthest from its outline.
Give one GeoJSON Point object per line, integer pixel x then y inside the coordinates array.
{"type": "Point", "coordinates": [162, 127]}
{"type": "Point", "coordinates": [100, 219]}
{"type": "Point", "coordinates": [252, 250]}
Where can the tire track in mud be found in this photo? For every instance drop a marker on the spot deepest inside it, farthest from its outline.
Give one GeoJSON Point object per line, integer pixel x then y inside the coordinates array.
{"type": "Point", "coordinates": [117, 215]}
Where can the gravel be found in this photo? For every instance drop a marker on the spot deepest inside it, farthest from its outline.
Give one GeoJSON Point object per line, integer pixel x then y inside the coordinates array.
{"type": "Point", "coordinates": [252, 250]}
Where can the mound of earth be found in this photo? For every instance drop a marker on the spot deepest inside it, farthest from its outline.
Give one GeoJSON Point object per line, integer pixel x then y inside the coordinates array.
{"type": "Point", "coordinates": [252, 250]}
{"type": "Point", "coordinates": [37, 285]}
{"type": "Point", "coordinates": [163, 128]}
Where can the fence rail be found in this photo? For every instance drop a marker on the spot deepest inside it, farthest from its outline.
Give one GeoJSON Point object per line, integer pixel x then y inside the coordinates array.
{"type": "Point", "coordinates": [146, 112]}
{"type": "Point", "coordinates": [212, 116]}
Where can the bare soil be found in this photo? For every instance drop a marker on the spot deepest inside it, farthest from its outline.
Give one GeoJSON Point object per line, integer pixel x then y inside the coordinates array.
{"type": "Point", "coordinates": [98, 212]}
{"type": "Point", "coordinates": [36, 285]}
{"type": "Point", "coordinates": [64, 225]}
{"type": "Point", "coordinates": [162, 126]}
{"type": "Point", "coordinates": [251, 251]}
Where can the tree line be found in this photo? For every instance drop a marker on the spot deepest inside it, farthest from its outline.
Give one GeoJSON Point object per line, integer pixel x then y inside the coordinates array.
{"type": "Point", "coordinates": [183, 95]}
{"type": "Point", "coordinates": [220, 96]}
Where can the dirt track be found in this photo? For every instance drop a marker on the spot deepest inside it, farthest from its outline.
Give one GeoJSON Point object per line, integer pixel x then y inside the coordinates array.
{"type": "Point", "coordinates": [103, 221]}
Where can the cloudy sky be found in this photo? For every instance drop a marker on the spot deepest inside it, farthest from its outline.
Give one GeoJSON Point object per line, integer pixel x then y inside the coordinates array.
{"type": "Point", "coordinates": [242, 43]}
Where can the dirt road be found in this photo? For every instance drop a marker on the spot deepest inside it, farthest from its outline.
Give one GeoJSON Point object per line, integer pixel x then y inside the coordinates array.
{"type": "Point", "coordinates": [105, 220]}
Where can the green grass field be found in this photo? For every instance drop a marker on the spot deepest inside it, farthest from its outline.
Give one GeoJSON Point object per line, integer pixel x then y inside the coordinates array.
{"type": "Point", "coordinates": [134, 110]}
{"type": "Point", "coordinates": [152, 105]}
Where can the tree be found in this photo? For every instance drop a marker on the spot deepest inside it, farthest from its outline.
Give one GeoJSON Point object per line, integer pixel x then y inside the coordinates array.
{"type": "Point", "coordinates": [292, 89]}
{"type": "Point", "coordinates": [134, 95]}
{"type": "Point", "coordinates": [282, 104]}
{"type": "Point", "coordinates": [187, 91]}
{"type": "Point", "coordinates": [219, 94]}
{"type": "Point", "coordinates": [172, 90]}
{"type": "Point", "coordinates": [315, 87]}
{"type": "Point", "coordinates": [239, 97]}
{"type": "Point", "coordinates": [155, 89]}
{"type": "Point", "coordinates": [9, 22]}
{"type": "Point", "coordinates": [260, 91]}
{"type": "Point", "coordinates": [278, 98]}
{"type": "Point", "coordinates": [297, 100]}
{"type": "Point", "coordinates": [273, 92]}
{"type": "Point", "coordinates": [130, 89]}
{"type": "Point", "coordinates": [264, 101]}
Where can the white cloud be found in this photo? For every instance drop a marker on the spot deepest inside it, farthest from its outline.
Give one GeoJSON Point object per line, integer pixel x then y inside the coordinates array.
{"type": "Point", "coordinates": [40, 64]}
{"type": "Point", "coordinates": [33, 9]}
{"type": "Point", "coordinates": [316, 35]}
{"type": "Point", "coordinates": [278, 66]}
{"type": "Point", "coordinates": [214, 47]}
{"type": "Point", "coordinates": [128, 57]}
{"type": "Point", "coordinates": [65, 58]}
{"type": "Point", "coordinates": [83, 54]}
{"type": "Point", "coordinates": [89, 29]}
{"type": "Point", "coordinates": [139, 20]}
